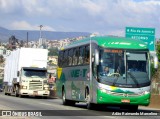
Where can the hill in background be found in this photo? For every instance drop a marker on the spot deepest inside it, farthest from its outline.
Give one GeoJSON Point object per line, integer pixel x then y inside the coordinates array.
{"type": "Point", "coordinates": [5, 34]}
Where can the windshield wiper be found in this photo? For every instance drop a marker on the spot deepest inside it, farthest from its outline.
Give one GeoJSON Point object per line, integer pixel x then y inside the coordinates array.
{"type": "Point", "coordinates": [133, 78]}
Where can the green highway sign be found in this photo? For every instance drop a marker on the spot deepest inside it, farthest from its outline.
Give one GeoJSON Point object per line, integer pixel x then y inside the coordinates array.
{"type": "Point", "coordinates": [145, 34]}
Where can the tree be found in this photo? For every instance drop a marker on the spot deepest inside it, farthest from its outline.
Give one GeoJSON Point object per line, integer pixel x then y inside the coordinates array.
{"type": "Point", "coordinates": [153, 70]}
{"type": "Point", "coordinates": [1, 59]}
{"type": "Point", "coordinates": [53, 52]}
{"type": "Point", "coordinates": [158, 51]}
{"type": "Point", "coordinates": [12, 42]}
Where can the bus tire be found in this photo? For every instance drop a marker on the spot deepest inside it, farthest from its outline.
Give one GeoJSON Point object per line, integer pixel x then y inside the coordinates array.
{"type": "Point", "coordinates": [64, 101]}
{"type": "Point", "coordinates": [90, 105]}
{"type": "Point", "coordinates": [70, 102]}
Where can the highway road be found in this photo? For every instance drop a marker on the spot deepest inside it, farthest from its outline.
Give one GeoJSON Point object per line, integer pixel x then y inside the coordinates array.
{"type": "Point", "coordinates": [53, 108]}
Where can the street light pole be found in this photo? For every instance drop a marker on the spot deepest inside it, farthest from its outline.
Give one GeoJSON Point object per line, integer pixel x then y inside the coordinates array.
{"type": "Point", "coordinates": [40, 30]}
{"type": "Point", "coordinates": [27, 39]}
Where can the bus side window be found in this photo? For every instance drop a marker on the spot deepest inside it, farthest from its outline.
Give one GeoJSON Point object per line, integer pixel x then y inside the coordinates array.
{"type": "Point", "coordinates": [86, 59]}
{"type": "Point", "coordinates": [75, 56]}
{"type": "Point", "coordinates": [60, 59]}
{"type": "Point", "coordinates": [81, 55]}
{"type": "Point", "coordinates": [65, 58]}
{"type": "Point", "coordinates": [70, 57]}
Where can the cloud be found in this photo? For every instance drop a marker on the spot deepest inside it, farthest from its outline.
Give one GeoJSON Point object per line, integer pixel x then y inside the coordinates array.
{"type": "Point", "coordinates": [23, 25]}
{"type": "Point", "coordinates": [9, 6]}
{"type": "Point", "coordinates": [35, 7]}
{"type": "Point", "coordinates": [104, 16]}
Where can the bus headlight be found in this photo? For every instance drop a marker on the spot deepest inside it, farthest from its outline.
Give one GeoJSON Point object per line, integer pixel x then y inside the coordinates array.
{"type": "Point", "coordinates": [104, 90]}
{"type": "Point", "coordinates": [146, 92]}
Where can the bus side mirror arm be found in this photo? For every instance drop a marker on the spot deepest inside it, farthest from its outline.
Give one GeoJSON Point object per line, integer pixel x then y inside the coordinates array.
{"type": "Point", "coordinates": [96, 57]}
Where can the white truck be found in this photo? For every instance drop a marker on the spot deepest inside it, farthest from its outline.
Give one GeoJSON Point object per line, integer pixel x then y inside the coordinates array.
{"type": "Point", "coordinates": [25, 73]}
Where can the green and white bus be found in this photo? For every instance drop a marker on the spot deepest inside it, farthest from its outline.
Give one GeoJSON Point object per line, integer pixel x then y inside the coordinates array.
{"type": "Point", "coordinates": [80, 75]}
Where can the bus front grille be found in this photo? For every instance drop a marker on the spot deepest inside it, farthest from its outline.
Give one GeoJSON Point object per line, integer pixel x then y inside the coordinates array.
{"type": "Point", "coordinates": [126, 94]}
{"type": "Point", "coordinates": [35, 85]}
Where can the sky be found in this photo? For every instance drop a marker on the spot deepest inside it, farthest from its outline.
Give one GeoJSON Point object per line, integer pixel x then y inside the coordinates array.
{"type": "Point", "coordinates": [104, 17]}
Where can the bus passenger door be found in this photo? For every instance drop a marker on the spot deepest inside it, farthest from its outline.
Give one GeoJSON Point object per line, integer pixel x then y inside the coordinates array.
{"type": "Point", "coordinates": [95, 65]}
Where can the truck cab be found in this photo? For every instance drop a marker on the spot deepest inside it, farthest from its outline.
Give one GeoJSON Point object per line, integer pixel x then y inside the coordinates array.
{"type": "Point", "coordinates": [33, 81]}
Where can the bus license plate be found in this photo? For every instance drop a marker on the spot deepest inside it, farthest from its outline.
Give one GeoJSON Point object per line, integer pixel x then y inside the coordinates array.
{"type": "Point", "coordinates": [35, 93]}
{"type": "Point", "coordinates": [125, 101]}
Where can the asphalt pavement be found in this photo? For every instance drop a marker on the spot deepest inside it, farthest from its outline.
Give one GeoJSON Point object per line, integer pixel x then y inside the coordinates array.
{"type": "Point", "coordinates": [38, 108]}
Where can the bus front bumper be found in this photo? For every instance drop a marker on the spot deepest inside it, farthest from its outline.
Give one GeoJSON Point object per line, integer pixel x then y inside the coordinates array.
{"type": "Point", "coordinates": [104, 98]}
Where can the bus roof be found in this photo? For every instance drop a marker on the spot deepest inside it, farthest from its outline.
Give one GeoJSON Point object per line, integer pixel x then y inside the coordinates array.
{"type": "Point", "coordinates": [111, 42]}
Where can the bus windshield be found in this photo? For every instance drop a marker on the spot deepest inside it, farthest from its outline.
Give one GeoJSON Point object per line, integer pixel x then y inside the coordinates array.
{"type": "Point", "coordinates": [123, 68]}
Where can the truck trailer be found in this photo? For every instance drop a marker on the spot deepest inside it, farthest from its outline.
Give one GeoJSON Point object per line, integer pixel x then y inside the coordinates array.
{"type": "Point", "coordinates": [25, 73]}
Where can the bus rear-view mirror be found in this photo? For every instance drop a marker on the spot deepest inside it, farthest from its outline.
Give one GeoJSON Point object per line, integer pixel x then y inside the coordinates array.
{"type": "Point", "coordinates": [96, 57]}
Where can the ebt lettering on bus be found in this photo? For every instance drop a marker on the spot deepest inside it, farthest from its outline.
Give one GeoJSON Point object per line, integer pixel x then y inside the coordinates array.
{"type": "Point", "coordinates": [75, 73]}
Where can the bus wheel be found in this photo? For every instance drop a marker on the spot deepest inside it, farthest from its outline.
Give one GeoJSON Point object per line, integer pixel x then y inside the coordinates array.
{"type": "Point", "coordinates": [88, 102]}
{"type": "Point", "coordinates": [70, 102]}
{"type": "Point", "coordinates": [64, 101]}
